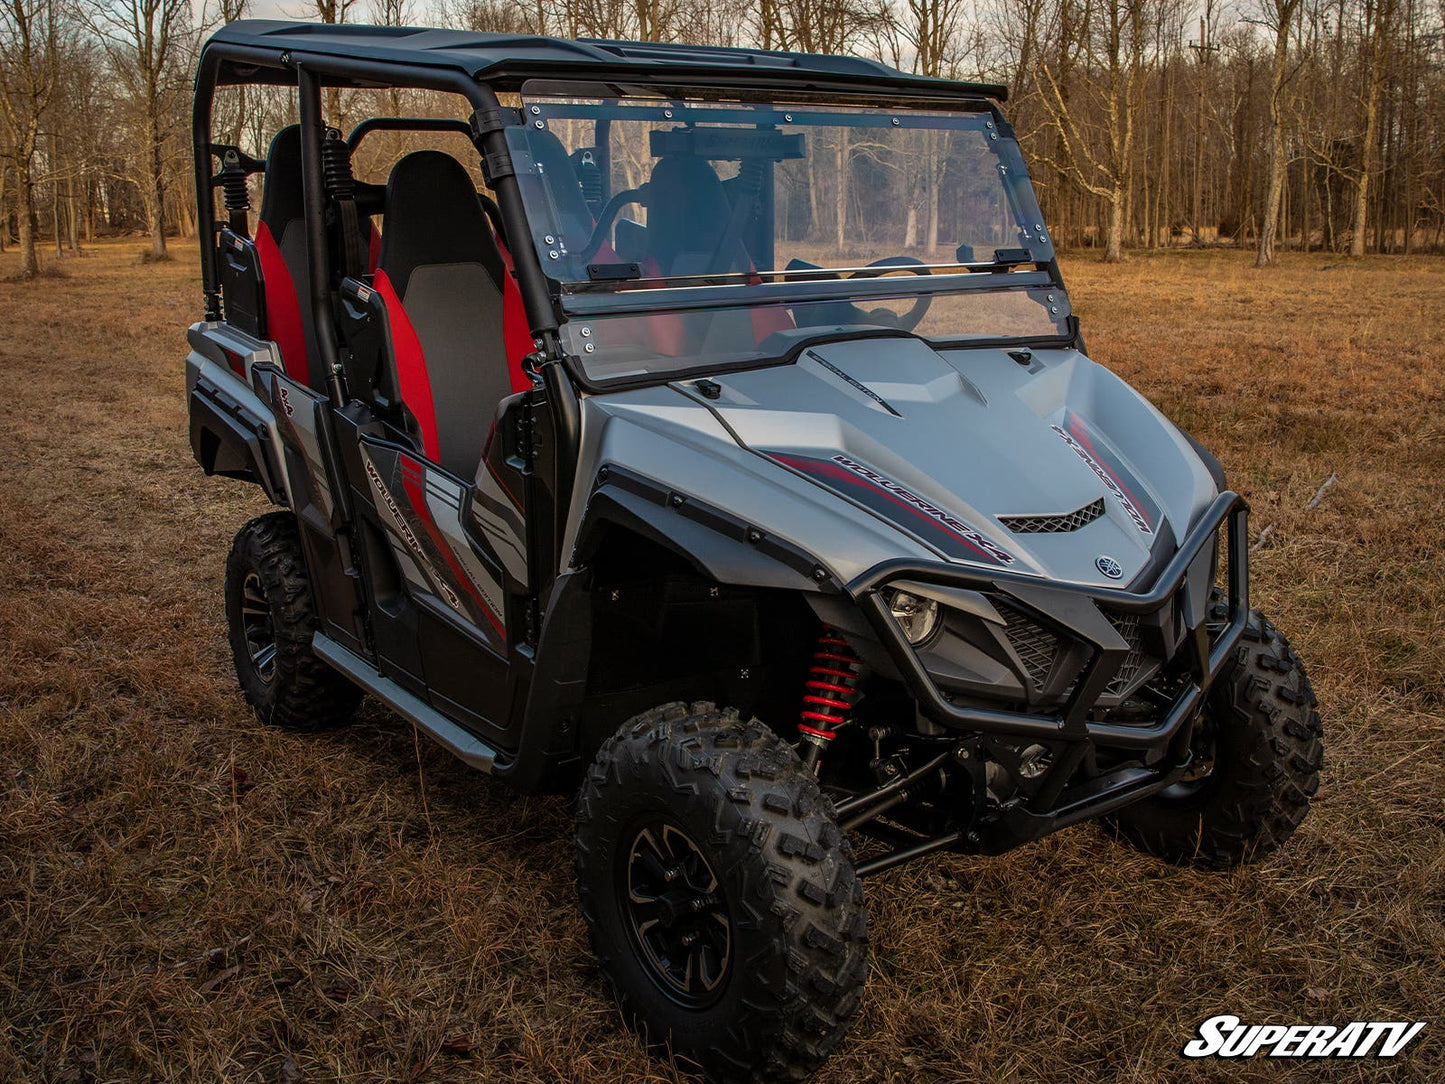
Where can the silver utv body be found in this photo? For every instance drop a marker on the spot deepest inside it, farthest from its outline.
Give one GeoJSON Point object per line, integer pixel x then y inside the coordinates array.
{"type": "Point", "coordinates": [1072, 538]}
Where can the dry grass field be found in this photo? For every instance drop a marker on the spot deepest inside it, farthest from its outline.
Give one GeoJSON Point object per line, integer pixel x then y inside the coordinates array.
{"type": "Point", "coordinates": [186, 895]}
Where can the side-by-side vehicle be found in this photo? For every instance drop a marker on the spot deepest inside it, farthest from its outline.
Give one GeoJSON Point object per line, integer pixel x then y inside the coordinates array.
{"type": "Point", "coordinates": [715, 441]}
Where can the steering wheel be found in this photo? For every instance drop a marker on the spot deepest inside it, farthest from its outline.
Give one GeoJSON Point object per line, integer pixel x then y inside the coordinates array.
{"type": "Point", "coordinates": [603, 227]}
{"type": "Point", "coordinates": [913, 317]}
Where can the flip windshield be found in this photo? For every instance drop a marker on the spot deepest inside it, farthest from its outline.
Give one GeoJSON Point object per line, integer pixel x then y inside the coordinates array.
{"type": "Point", "coordinates": [691, 232]}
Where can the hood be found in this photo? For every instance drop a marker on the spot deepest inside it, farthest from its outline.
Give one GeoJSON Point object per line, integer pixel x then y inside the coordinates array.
{"type": "Point", "coordinates": [1049, 466]}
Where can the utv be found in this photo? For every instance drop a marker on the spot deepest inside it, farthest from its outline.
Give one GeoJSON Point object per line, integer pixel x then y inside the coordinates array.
{"type": "Point", "coordinates": [730, 454]}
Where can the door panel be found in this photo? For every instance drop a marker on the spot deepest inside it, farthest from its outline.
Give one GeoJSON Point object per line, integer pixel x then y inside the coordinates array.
{"type": "Point", "coordinates": [420, 506]}
{"type": "Point", "coordinates": [494, 512]}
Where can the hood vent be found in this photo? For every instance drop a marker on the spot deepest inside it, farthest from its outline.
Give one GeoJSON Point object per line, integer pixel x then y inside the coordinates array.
{"type": "Point", "coordinates": [1055, 524]}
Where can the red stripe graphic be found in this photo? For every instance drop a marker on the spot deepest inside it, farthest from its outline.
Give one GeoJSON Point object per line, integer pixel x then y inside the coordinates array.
{"type": "Point", "coordinates": [834, 470]}
{"type": "Point", "coordinates": [413, 481]}
{"type": "Point", "coordinates": [1079, 433]}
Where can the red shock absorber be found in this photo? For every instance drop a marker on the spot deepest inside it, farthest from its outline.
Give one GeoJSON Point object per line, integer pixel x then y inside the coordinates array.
{"type": "Point", "coordinates": [831, 693]}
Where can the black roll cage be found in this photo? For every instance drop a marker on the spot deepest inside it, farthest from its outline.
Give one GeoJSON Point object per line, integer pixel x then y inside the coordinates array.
{"type": "Point", "coordinates": [310, 72]}
{"type": "Point", "coordinates": [476, 67]}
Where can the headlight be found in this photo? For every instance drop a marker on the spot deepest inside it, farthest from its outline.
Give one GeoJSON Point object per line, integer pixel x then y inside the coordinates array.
{"type": "Point", "coordinates": [917, 617]}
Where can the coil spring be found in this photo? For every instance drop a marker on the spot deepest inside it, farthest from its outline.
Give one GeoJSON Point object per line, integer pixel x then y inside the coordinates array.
{"type": "Point", "coordinates": [832, 687]}
{"type": "Point", "coordinates": [336, 166]}
{"type": "Point", "coordinates": [234, 193]}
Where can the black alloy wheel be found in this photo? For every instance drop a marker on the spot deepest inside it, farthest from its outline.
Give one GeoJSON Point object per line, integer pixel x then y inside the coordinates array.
{"type": "Point", "coordinates": [258, 628]}
{"type": "Point", "coordinates": [677, 912]}
{"type": "Point", "coordinates": [271, 623]}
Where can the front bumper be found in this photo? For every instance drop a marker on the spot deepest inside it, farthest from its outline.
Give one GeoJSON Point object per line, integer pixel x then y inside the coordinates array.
{"type": "Point", "coordinates": [1184, 582]}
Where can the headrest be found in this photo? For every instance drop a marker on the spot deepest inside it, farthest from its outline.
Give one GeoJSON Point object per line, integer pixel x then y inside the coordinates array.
{"type": "Point", "coordinates": [433, 216]}
{"type": "Point", "coordinates": [281, 197]}
{"type": "Point", "coordinates": [687, 210]}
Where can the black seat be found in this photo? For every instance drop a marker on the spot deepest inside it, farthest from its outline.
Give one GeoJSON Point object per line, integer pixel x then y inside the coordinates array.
{"type": "Point", "coordinates": [440, 276]}
{"type": "Point", "coordinates": [687, 218]}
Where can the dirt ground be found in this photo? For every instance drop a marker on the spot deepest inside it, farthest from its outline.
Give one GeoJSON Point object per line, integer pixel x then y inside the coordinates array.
{"type": "Point", "coordinates": [186, 895]}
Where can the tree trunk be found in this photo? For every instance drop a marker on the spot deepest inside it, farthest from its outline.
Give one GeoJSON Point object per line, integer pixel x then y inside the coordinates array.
{"type": "Point", "coordinates": [1367, 156]}
{"type": "Point", "coordinates": [154, 187]}
{"type": "Point", "coordinates": [841, 214]}
{"type": "Point", "coordinates": [25, 220]}
{"type": "Point", "coordinates": [930, 239]}
{"type": "Point", "coordinates": [55, 215]}
{"type": "Point", "coordinates": [1269, 218]}
{"type": "Point", "coordinates": [1114, 247]}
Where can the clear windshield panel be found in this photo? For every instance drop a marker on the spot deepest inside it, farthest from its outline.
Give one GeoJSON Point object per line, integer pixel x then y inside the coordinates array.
{"type": "Point", "coordinates": [636, 191]}
{"type": "Point", "coordinates": [628, 346]}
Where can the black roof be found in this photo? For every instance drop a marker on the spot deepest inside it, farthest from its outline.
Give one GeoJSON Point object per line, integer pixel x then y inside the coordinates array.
{"type": "Point", "coordinates": [507, 60]}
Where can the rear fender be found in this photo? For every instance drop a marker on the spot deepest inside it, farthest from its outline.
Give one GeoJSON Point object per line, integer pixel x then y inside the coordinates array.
{"type": "Point", "coordinates": [233, 433]}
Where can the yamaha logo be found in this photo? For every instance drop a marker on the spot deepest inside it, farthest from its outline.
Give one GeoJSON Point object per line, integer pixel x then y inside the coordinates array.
{"type": "Point", "coordinates": [1108, 566]}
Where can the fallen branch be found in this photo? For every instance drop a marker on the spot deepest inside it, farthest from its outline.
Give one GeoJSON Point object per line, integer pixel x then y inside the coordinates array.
{"type": "Point", "coordinates": [1263, 537]}
{"type": "Point", "coordinates": [1320, 493]}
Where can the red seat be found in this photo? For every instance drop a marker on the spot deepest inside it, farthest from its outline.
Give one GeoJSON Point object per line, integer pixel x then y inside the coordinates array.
{"type": "Point", "coordinates": [443, 282]}
{"type": "Point", "coordinates": [281, 249]}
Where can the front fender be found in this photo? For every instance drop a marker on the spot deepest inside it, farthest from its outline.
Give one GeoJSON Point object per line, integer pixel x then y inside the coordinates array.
{"type": "Point", "coordinates": [720, 545]}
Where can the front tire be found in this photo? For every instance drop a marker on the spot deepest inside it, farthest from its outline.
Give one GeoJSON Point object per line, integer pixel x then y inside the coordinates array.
{"type": "Point", "coordinates": [271, 623]}
{"type": "Point", "coordinates": [1263, 740]}
{"type": "Point", "coordinates": [720, 895]}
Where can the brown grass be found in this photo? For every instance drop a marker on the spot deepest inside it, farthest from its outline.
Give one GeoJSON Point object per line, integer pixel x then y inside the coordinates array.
{"type": "Point", "coordinates": [190, 896]}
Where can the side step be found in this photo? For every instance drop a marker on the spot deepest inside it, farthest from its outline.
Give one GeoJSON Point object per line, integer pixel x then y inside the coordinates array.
{"type": "Point", "coordinates": [433, 723]}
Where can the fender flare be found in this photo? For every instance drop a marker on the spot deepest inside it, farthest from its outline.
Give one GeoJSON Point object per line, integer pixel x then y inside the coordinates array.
{"type": "Point", "coordinates": [228, 438]}
{"type": "Point", "coordinates": [1211, 464]}
{"type": "Point", "coordinates": [719, 544]}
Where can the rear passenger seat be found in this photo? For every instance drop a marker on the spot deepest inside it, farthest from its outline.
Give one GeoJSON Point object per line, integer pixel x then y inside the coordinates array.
{"type": "Point", "coordinates": [281, 248]}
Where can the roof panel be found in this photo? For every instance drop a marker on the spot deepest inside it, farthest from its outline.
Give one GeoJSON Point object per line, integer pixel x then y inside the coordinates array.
{"type": "Point", "coordinates": [513, 57]}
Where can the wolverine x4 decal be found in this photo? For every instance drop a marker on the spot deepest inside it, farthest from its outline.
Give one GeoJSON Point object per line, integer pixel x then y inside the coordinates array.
{"type": "Point", "coordinates": [425, 519]}
{"type": "Point", "coordinates": [900, 505]}
{"type": "Point", "coordinates": [1138, 509]}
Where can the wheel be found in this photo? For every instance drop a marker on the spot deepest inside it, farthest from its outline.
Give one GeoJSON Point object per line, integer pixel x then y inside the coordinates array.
{"type": "Point", "coordinates": [720, 895]}
{"type": "Point", "coordinates": [269, 611]}
{"type": "Point", "coordinates": [1258, 753]}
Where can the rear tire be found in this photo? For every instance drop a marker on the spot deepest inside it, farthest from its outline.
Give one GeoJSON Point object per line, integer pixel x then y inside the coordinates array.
{"type": "Point", "coordinates": [1267, 752]}
{"type": "Point", "coordinates": [271, 623]}
{"type": "Point", "coordinates": [694, 824]}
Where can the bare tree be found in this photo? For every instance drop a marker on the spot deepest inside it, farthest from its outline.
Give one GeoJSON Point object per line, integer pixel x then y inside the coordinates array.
{"type": "Point", "coordinates": [1092, 87]}
{"type": "Point", "coordinates": [149, 46]}
{"type": "Point", "coordinates": [29, 32]}
{"type": "Point", "coordinates": [1279, 16]}
{"type": "Point", "coordinates": [1379, 26]}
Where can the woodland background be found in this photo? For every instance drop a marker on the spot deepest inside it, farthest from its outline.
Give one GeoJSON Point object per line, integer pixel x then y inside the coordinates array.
{"type": "Point", "coordinates": [1266, 124]}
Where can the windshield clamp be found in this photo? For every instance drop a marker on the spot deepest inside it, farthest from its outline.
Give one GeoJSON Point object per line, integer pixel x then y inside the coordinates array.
{"type": "Point", "coordinates": [486, 121]}
{"type": "Point", "coordinates": [495, 166]}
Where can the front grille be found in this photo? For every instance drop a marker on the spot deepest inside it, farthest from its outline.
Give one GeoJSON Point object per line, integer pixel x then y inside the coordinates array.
{"type": "Point", "coordinates": [1036, 646]}
{"type": "Point", "coordinates": [1055, 524]}
{"type": "Point", "coordinates": [1123, 681]}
